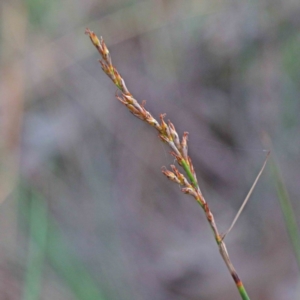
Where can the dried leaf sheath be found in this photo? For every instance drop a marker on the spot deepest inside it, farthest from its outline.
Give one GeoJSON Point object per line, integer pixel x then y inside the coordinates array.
{"type": "Point", "coordinates": [179, 149]}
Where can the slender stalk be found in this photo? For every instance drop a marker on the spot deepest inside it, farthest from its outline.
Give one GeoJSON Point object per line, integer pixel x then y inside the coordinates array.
{"type": "Point", "coordinates": [247, 198]}
{"type": "Point", "coordinates": [179, 149]}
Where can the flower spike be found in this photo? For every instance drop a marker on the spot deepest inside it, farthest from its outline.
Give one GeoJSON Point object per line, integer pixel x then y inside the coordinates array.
{"type": "Point", "coordinates": [167, 133]}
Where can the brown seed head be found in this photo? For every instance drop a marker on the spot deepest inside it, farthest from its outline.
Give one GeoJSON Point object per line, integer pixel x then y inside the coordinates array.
{"type": "Point", "coordinates": [179, 158]}
{"type": "Point", "coordinates": [184, 146]}
{"type": "Point", "coordinates": [174, 135]}
{"type": "Point", "coordinates": [163, 138]}
{"type": "Point", "coordinates": [170, 175]}
{"type": "Point", "coordinates": [105, 51]}
{"type": "Point", "coordinates": [94, 39]}
{"type": "Point", "coordinates": [106, 69]}
{"type": "Point", "coordinates": [165, 129]}
{"type": "Point", "coordinates": [180, 176]}
{"type": "Point", "coordinates": [190, 191]}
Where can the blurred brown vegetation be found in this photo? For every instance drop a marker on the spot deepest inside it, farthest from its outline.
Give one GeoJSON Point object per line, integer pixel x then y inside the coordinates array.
{"type": "Point", "coordinates": [225, 71]}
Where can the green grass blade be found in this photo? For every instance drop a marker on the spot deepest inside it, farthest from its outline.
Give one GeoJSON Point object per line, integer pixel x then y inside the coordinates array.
{"type": "Point", "coordinates": [287, 210]}
{"type": "Point", "coordinates": [37, 247]}
{"type": "Point", "coordinates": [56, 251]}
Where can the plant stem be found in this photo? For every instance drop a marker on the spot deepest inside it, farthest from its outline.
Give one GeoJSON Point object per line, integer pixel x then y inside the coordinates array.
{"type": "Point", "coordinates": [221, 244]}
{"type": "Point", "coordinates": [179, 149]}
{"type": "Point", "coordinates": [243, 292]}
{"type": "Point", "coordinates": [219, 240]}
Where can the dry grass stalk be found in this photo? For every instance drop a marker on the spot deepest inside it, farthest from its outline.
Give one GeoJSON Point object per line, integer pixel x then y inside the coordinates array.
{"type": "Point", "coordinates": [179, 149]}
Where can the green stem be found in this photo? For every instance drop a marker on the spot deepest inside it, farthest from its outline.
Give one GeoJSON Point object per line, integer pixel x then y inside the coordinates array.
{"type": "Point", "coordinates": [189, 173]}
{"type": "Point", "coordinates": [243, 293]}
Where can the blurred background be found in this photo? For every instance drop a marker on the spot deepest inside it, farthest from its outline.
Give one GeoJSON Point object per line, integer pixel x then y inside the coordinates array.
{"type": "Point", "coordinates": [85, 210]}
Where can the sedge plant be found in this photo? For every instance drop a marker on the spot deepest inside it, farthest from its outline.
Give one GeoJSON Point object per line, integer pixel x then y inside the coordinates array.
{"type": "Point", "coordinates": [179, 150]}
